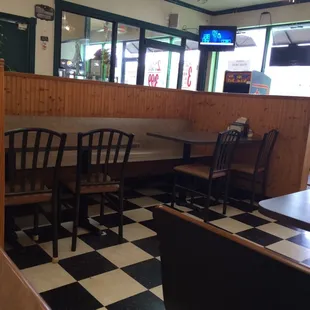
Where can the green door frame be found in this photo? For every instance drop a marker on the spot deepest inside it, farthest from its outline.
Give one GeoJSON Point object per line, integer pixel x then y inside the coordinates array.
{"type": "Point", "coordinates": [32, 23]}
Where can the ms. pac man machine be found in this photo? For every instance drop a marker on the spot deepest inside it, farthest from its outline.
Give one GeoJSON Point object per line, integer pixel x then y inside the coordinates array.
{"type": "Point", "coordinates": [247, 82]}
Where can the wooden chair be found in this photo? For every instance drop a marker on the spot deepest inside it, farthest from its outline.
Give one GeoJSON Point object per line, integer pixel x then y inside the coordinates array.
{"type": "Point", "coordinates": [261, 165]}
{"type": "Point", "coordinates": [204, 267]}
{"type": "Point", "coordinates": [220, 168]}
{"type": "Point", "coordinates": [30, 153]}
{"type": "Point", "coordinates": [92, 174]}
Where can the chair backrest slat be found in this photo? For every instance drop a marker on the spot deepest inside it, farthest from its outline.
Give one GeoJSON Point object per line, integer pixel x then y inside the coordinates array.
{"type": "Point", "coordinates": [11, 163]}
{"type": "Point", "coordinates": [101, 136]}
{"type": "Point", "coordinates": [118, 146]}
{"type": "Point", "coordinates": [107, 158]}
{"type": "Point", "coordinates": [24, 150]}
{"type": "Point", "coordinates": [47, 150]}
{"type": "Point", "coordinates": [224, 149]}
{"type": "Point", "coordinates": [266, 148]}
{"type": "Point", "coordinates": [90, 147]}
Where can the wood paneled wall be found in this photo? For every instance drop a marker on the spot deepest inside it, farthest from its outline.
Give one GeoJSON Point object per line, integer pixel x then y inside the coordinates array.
{"type": "Point", "coordinates": [28, 94]}
{"type": "Point", "coordinates": [289, 168]}
{"type": "Point", "coordinates": [2, 170]}
{"type": "Point", "coordinates": [40, 95]}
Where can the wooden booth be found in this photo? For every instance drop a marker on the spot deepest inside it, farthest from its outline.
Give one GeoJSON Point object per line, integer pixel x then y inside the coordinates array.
{"type": "Point", "coordinates": [45, 97]}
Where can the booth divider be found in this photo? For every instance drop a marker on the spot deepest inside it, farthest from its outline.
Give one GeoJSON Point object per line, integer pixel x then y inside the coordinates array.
{"type": "Point", "coordinates": [27, 94]}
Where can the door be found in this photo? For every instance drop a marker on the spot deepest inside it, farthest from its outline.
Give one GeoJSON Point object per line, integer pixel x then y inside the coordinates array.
{"type": "Point", "coordinates": [15, 46]}
{"type": "Point", "coordinates": [162, 67]}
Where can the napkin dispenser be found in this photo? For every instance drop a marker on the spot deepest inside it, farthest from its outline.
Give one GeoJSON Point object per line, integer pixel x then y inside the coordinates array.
{"type": "Point", "coordinates": [241, 125]}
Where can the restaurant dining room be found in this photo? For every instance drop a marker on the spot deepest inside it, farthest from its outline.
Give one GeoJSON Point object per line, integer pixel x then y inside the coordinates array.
{"type": "Point", "coordinates": [126, 185]}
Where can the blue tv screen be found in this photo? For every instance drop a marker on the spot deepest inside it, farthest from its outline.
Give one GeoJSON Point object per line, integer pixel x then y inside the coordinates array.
{"type": "Point", "coordinates": [217, 38]}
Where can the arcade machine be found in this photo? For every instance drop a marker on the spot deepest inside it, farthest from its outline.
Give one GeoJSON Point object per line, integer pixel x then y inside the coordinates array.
{"type": "Point", "coordinates": [246, 82]}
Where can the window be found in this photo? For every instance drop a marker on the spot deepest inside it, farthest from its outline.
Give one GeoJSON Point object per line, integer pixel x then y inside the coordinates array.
{"type": "Point", "coordinates": [191, 65]}
{"type": "Point", "coordinates": [92, 48]}
{"type": "Point", "coordinates": [162, 37]}
{"type": "Point", "coordinates": [85, 55]}
{"type": "Point", "coordinates": [249, 52]}
{"type": "Point", "coordinates": [127, 54]}
{"type": "Point", "coordinates": [289, 75]}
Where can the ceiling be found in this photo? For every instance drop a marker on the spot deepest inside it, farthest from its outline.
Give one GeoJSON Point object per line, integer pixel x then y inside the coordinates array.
{"type": "Point", "coordinates": [219, 5]}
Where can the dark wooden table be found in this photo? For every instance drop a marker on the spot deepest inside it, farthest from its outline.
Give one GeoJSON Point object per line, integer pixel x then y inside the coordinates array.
{"type": "Point", "coordinates": [195, 138]}
{"type": "Point", "coordinates": [292, 209]}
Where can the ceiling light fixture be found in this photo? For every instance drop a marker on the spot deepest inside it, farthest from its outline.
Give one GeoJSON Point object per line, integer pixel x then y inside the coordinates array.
{"type": "Point", "coordinates": [65, 24]}
{"type": "Point", "coordinates": [202, 1]}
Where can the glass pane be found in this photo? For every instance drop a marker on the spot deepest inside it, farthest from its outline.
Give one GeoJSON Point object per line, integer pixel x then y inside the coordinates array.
{"type": "Point", "coordinates": [249, 52]}
{"type": "Point", "coordinates": [72, 36]}
{"type": "Point", "coordinates": [162, 37]}
{"type": "Point", "coordinates": [85, 57]}
{"type": "Point", "coordinates": [127, 49]}
{"type": "Point", "coordinates": [289, 79]}
{"type": "Point", "coordinates": [174, 70]}
{"type": "Point", "coordinates": [161, 68]}
{"type": "Point", "coordinates": [191, 65]}
{"type": "Point", "coordinates": [131, 68]}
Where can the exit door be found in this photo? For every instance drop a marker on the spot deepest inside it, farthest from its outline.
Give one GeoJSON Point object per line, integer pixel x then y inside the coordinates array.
{"type": "Point", "coordinates": [17, 44]}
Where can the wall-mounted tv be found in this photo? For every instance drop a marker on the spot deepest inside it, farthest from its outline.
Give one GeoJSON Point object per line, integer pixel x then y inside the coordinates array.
{"type": "Point", "coordinates": [217, 38]}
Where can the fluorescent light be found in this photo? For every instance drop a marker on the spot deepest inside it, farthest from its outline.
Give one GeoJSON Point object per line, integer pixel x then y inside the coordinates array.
{"type": "Point", "coordinates": [304, 44]}
{"type": "Point", "coordinates": [284, 45]}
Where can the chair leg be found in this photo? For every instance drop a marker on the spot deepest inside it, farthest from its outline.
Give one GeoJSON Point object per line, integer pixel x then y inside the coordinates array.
{"type": "Point", "coordinates": [121, 217]}
{"type": "Point", "coordinates": [207, 202]}
{"type": "Point", "coordinates": [36, 223]}
{"type": "Point", "coordinates": [75, 221]}
{"type": "Point", "coordinates": [227, 182]}
{"type": "Point", "coordinates": [55, 210]}
{"type": "Point", "coordinates": [101, 209]}
{"type": "Point", "coordinates": [253, 192]}
{"type": "Point", "coordinates": [264, 185]}
{"type": "Point", "coordinates": [174, 190]}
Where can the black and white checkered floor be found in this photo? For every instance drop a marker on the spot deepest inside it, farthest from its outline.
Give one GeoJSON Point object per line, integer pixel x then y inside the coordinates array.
{"type": "Point", "coordinates": [102, 274]}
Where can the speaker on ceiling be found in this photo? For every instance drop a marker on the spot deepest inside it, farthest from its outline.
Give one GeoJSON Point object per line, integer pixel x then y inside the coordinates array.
{"type": "Point", "coordinates": [173, 20]}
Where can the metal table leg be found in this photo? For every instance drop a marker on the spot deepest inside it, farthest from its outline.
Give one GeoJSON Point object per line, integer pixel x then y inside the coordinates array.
{"type": "Point", "coordinates": [187, 148]}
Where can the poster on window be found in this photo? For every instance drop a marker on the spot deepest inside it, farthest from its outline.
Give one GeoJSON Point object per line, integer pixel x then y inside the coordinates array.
{"type": "Point", "coordinates": [190, 70]}
{"type": "Point", "coordinates": [156, 65]}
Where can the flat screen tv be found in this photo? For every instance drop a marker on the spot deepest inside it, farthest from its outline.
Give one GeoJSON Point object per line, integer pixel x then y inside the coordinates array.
{"type": "Point", "coordinates": [217, 38]}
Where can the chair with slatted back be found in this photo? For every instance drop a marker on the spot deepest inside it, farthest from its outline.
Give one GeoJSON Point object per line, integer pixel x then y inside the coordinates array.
{"type": "Point", "coordinates": [97, 151]}
{"type": "Point", "coordinates": [33, 161]}
{"type": "Point", "coordinates": [261, 165]}
{"type": "Point", "coordinates": [220, 168]}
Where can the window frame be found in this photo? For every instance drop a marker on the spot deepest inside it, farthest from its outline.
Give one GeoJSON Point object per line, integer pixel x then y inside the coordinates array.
{"type": "Point", "coordinates": [269, 29]}
{"type": "Point", "coordinates": [88, 12]}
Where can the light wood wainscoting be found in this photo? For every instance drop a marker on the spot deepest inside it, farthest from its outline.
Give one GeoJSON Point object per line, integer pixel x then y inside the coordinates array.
{"type": "Point", "coordinates": [290, 115]}
{"type": "Point", "coordinates": [28, 94]}
{"type": "Point", "coordinates": [50, 96]}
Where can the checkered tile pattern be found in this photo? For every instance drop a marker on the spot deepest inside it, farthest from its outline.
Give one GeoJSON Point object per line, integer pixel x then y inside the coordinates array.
{"type": "Point", "coordinates": [103, 274]}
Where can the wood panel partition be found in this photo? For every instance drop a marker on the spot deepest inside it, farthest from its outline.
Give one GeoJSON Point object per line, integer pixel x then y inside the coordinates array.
{"type": "Point", "coordinates": [289, 167]}
{"type": "Point", "coordinates": [41, 96]}
{"type": "Point", "coordinates": [28, 94]}
{"type": "Point", "coordinates": [2, 170]}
